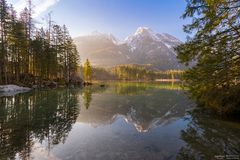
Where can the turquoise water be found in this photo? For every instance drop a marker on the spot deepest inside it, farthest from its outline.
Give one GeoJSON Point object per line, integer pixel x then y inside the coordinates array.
{"type": "Point", "coordinates": [120, 121]}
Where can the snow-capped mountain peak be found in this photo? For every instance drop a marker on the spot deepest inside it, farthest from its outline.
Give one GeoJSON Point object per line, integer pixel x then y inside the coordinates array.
{"type": "Point", "coordinates": [143, 30]}
{"type": "Point", "coordinates": [141, 34]}
{"type": "Point", "coordinates": [145, 36]}
{"type": "Point", "coordinates": [144, 46]}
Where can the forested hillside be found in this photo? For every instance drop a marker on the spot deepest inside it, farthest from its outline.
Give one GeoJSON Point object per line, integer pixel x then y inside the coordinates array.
{"type": "Point", "coordinates": [141, 72]}
{"type": "Point", "coordinates": [134, 72]}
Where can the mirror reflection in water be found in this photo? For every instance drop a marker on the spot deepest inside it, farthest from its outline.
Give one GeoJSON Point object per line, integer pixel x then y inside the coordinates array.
{"type": "Point", "coordinates": [118, 121]}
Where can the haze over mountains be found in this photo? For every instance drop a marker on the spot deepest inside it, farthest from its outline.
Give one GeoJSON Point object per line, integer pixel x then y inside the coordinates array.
{"type": "Point", "coordinates": [144, 47]}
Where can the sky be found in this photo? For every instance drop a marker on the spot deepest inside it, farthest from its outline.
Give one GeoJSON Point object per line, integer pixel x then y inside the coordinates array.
{"type": "Point", "coordinates": [118, 17]}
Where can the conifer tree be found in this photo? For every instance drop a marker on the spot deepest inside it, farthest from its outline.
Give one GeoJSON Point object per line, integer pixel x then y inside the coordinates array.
{"type": "Point", "coordinates": [30, 55]}
{"type": "Point", "coordinates": [87, 71]}
{"type": "Point", "coordinates": [3, 41]}
{"type": "Point", "coordinates": [215, 48]}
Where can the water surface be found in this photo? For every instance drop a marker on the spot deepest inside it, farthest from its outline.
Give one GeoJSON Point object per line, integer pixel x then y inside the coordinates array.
{"type": "Point", "coordinates": [120, 121]}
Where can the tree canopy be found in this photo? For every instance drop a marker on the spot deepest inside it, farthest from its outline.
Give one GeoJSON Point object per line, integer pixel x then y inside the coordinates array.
{"type": "Point", "coordinates": [214, 48]}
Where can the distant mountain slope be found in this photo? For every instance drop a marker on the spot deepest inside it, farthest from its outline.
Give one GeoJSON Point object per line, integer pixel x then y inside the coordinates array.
{"type": "Point", "coordinates": [143, 47]}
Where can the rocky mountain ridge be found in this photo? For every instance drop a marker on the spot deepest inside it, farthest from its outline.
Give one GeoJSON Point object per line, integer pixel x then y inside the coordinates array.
{"type": "Point", "coordinates": [143, 47]}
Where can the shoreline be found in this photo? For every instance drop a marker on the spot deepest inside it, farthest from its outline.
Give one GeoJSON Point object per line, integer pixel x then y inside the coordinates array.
{"type": "Point", "coordinates": [137, 81]}
{"type": "Point", "coordinates": [12, 89]}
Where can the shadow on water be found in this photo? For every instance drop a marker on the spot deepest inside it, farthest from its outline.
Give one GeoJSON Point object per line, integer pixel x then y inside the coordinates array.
{"type": "Point", "coordinates": [209, 138]}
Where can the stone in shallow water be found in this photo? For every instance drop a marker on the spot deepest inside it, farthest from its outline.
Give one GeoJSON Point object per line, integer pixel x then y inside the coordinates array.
{"type": "Point", "coordinates": [10, 90]}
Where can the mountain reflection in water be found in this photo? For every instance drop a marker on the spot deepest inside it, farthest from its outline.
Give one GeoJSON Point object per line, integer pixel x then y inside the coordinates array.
{"type": "Point", "coordinates": [119, 121]}
{"type": "Point", "coordinates": [144, 105]}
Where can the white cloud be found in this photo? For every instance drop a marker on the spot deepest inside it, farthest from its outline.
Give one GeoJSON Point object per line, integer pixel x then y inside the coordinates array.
{"type": "Point", "coordinates": [40, 6]}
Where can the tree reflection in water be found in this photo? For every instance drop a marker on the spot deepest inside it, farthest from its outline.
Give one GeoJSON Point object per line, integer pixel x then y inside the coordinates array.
{"type": "Point", "coordinates": [45, 118]}
{"type": "Point", "coordinates": [88, 91]}
{"type": "Point", "coordinates": [207, 137]}
{"type": "Point", "coordinates": [133, 88]}
{"type": "Point", "coordinates": [25, 118]}
{"type": "Point", "coordinates": [87, 97]}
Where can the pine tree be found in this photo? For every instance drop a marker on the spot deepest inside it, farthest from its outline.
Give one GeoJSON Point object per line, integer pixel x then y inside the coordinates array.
{"type": "Point", "coordinates": [87, 71]}
{"type": "Point", "coordinates": [3, 29]}
{"type": "Point", "coordinates": [29, 54]}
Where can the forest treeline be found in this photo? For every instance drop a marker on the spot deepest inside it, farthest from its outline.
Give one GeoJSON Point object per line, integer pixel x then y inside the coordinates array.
{"type": "Point", "coordinates": [133, 72]}
{"type": "Point", "coordinates": [31, 55]}
{"type": "Point", "coordinates": [214, 44]}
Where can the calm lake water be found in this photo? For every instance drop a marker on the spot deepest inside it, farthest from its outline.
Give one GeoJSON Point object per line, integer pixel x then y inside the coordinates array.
{"type": "Point", "coordinates": [122, 121]}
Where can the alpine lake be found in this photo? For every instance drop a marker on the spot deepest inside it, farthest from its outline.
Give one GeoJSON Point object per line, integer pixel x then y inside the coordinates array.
{"type": "Point", "coordinates": [120, 121]}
